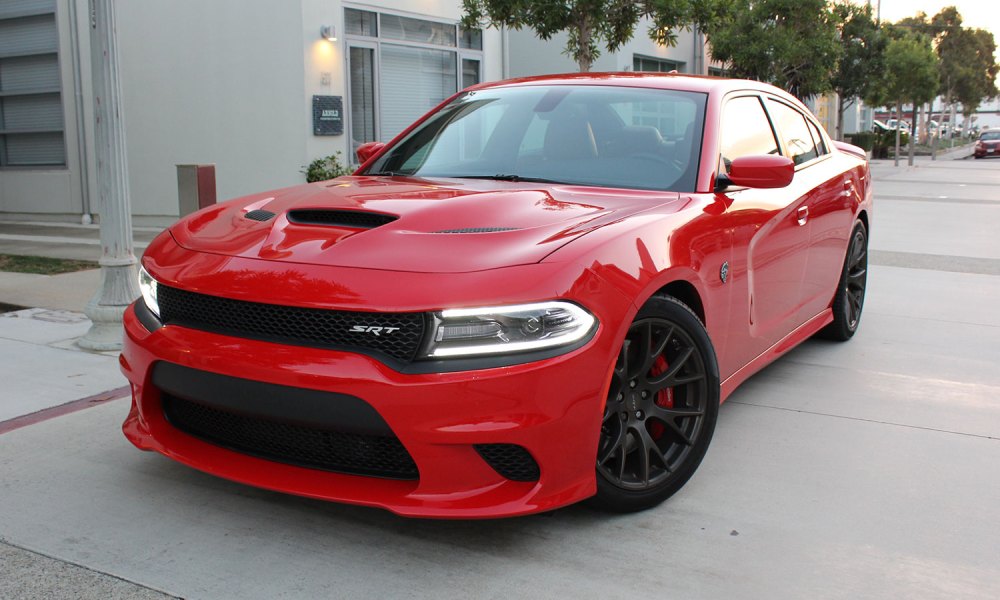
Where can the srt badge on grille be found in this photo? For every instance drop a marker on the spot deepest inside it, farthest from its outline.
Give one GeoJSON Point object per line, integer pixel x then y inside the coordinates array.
{"type": "Point", "coordinates": [374, 330]}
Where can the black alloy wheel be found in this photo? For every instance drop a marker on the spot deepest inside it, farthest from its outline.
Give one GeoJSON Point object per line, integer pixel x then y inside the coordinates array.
{"type": "Point", "coordinates": [850, 296]}
{"type": "Point", "coordinates": [661, 409]}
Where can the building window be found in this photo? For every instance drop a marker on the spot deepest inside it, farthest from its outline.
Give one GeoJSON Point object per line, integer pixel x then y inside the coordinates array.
{"type": "Point", "coordinates": [655, 65]}
{"type": "Point", "coordinates": [400, 67]}
{"type": "Point", "coordinates": [31, 112]}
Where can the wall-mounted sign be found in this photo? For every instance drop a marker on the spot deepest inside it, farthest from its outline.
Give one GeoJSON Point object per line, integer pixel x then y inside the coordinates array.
{"type": "Point", "coordinates": [328, 115]}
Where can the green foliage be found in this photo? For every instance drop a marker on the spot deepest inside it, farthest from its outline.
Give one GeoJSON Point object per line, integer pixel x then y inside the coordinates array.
{"type": "Point", "coordinates": [591, 24]}
{"type": "Point", "coordinates": [861, 68]}
{"type": "Point", "coordinates": [325, 168]}
{"type": "Point", "coordinates": [913, 69]}
{"type": "Point", "coordinates": [793, 44]}
{"type": "Point", "coordinates": [864, 140]}
{"type": "Point", "coordinates": [883, 140]}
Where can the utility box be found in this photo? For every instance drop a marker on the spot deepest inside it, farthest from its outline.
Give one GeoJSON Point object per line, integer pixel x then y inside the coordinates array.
{"type": "Point", "coordinates": [195, 187]}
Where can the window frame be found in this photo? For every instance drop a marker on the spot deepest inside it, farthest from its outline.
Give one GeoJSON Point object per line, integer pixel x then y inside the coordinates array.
{"type": "Point", "coordinates": [376, 43]}
{"type": "Point", "coordinates": [770, 122]}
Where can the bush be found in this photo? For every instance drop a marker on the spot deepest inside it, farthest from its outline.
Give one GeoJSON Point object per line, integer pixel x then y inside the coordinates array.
{"type": "Point", "coordinates": [884, 140]}
{"type": "Point", "coordinates": [864, 140]}
{"type": "Point", "coordinates": [325, 168]}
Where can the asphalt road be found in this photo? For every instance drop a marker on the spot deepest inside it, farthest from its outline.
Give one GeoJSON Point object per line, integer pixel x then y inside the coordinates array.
{"type": "Point", "coordinates": [859, 470]}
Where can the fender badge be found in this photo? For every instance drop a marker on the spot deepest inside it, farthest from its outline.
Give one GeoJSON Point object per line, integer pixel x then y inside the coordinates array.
{"type": "Point", "coordinates": [724, 271]}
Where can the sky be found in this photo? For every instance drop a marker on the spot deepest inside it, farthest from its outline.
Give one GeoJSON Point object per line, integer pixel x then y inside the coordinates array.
{"type": "Point", "coordinates": [981, 14]}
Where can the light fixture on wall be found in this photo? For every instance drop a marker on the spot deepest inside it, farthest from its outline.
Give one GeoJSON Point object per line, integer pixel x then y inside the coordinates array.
{"type": "Point", "coordinates": [328, 33]}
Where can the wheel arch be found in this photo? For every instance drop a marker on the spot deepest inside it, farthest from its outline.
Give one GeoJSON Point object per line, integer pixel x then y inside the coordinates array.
{"type": "Point", "coordinates": [686, 292]}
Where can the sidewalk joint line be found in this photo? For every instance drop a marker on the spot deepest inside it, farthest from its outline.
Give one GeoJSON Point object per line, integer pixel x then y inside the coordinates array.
{"type": "Point", "coordinates": [63, 409]}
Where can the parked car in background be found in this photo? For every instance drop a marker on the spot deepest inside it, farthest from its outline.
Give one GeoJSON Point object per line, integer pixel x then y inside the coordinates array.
{"type": "Point", "coordinates": [538, 293]}
{"type": "Point", "coordinates": [898, 124]}
{"type": "Point", "coordinates": [988, 144]}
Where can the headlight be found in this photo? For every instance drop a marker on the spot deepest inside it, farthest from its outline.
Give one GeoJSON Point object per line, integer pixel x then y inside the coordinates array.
{"type": "Point", "coordinates": [506, 329]}
{"type": "Point", "coordinates": [147, 285]}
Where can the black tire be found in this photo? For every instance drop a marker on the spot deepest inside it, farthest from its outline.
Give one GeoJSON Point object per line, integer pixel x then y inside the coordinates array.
{"type": "Point", "coordinates": [662, 404]}
{"type": "Point", "coordinates": [849, 298]}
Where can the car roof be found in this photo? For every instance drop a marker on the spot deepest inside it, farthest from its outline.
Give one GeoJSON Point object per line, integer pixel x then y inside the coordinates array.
{"type": "Point", "coordinates": [667, 81]}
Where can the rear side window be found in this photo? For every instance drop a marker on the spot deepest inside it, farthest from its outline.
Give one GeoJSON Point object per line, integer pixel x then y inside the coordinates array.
{"type": "Point", "coordinates": [745, 130]}
{"type": "Point", "coordinates": [821, 148]}
{"type": "Point", "coordinates": [794, 132]}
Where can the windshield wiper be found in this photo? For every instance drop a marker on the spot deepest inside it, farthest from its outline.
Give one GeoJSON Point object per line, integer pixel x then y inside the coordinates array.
{"type": "Point", "coordinates": [514, 178]}
{"type": "Point", "coordinates": [386, 173]}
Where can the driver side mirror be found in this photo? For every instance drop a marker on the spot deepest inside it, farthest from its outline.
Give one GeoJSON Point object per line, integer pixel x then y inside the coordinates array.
{"type": "Point", "coordinates": [764, 171]}
{"type": "Point", "coordinates": [368, 150]}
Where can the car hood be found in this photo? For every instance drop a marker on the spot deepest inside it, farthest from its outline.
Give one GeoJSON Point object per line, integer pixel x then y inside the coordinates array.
{"type": "Point", "coordinates": [410, 224]}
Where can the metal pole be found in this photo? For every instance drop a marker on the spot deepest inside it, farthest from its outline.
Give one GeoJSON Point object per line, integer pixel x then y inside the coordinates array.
{"type": "Point", "coordinates": [119, 286]}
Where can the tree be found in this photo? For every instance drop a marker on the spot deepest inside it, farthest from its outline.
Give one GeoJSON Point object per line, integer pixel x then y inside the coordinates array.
{"type": "Point", "coordinates": [912, 64]}
{"type": "Point", "coordinates": [590, 24]}
{"type": "Point", "coordinates": [861, 68]}
{"type": "Point", "coordinates": [792, 44]}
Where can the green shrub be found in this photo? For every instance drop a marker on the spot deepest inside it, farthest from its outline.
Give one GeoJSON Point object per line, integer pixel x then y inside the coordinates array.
{"type": "Point", "coordinates": [325, 168]}
{"type": "Point", "coordinates": [885, 140]}
{"type": "Point", "coordinates": [864, 140]}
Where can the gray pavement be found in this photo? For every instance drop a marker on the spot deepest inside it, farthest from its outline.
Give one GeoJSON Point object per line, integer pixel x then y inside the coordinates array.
{"type": "Point", "coordinates": [858, 470]}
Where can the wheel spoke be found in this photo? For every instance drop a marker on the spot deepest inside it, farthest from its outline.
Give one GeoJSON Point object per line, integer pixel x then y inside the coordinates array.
{"type": "Point", "coordinates": [621, 369]}
{"type": "Point", "coordinates": [661, 346]}
{"type": "Point", "coordinates": [667, 415]}
{"type": "Point", "coordinates": [857, 278]}
{"type": "Point", "coordinates": [612, 445]}
{"type": "Point", "coordinates": [644, 443]}
{"type": "Point", "coordinates": [670, 378]}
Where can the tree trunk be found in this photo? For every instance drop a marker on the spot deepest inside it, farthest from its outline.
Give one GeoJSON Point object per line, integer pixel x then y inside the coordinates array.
{"type": "Point", "coordinates": [840, 117]}
{"type": "Point", "coordinates": [585, 59]}
{"type": "Point", "coordinates": [913, 133]}
{"type": "Point", "coordinates": [899, 118]}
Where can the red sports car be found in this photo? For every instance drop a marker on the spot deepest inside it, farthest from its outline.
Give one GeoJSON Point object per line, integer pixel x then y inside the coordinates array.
{"type": "Point", "coordinates": [537, 294]}
{"type": "Point", "coordinates": [988, 144]}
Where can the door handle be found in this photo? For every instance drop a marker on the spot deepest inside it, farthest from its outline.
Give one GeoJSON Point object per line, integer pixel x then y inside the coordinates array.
{"type": "Point", "coordinates": [803, 215]}
{"type": "Point", "coordinates": [848, 188]}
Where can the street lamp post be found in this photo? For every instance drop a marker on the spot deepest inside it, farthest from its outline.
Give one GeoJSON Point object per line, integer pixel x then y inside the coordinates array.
{"type": "Point", "coordinates": [119, 286]}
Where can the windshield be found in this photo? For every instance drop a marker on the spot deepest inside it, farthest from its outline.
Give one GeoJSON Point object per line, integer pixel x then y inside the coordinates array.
{"type": "Point", "coordinates": [582, 135]}
{"type": "Point", "coordinates": [990, 135]}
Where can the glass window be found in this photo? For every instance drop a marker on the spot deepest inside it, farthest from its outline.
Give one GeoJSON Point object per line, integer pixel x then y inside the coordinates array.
{"type": "Point", "coordinates": [31, 102]}
{"type": "Point", "coordinates": [361, 22]}
{"type": "Point", "coordinates": [794, 132]}
{"type": "Point", "coordinates": [654, 65]}
{"type": "Point", "coordinates": [745, 130]}
{"type": "Point", "coordinates": [362, 82]}
{"type": "Point", "coordinates": [413, 81]}
{"type": "Point", "coordinates": [470, 72]}
{"type": "Point", "coordinates": [821, 148]}
{"type": "Point", "coordinates": [471, 39]}
{"type": "Point", "coordinates": [418, 30]}
{"type": "Point", "coordinates": [581, 135]}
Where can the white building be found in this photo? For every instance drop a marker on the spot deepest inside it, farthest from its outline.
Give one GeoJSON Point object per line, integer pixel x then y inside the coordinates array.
{"type": "Point", "coordinates": [229, 82]}
{"type": "Point", "coordinates": [234, 82]}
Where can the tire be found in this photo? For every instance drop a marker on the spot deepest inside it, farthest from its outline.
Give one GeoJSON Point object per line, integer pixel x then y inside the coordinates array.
{"type": "Point", "coordinates": [662, 404]}
{"type": "Point", "coordinates": [849, 299]}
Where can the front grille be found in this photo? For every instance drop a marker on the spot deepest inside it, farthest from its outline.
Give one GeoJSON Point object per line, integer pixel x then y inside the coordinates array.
{"type": "Point", "coordinates": [342, 452]}
{"type": "Point", "coordinates": [509, 460]}
{"type": "Point", "coordinates": [399, 337]}
{"type": "Point", "coordinates": [340, 218]}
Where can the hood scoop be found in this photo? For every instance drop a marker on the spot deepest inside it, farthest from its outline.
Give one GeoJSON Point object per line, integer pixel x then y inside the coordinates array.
{"type": "Point", "coordinates": [352, 219]}
{"type": "Point", "coordinates": [478, 230]}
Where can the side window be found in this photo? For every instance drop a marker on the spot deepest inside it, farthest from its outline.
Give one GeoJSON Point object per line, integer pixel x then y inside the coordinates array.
{"type": "Point", "coordinates": [794, 132]}
{"type": "Point", "coordinates": [818, 138]}
{"type": "Point", "coordinates": [745, 130]}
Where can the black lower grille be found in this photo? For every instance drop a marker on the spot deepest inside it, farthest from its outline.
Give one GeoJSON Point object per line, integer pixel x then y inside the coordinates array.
{"type": "Point", "coordinates": [396, 335]}
{"type": "Point", "coordinates": [342, 452]}
{"type": "Point", "coordinates": [509, 460]}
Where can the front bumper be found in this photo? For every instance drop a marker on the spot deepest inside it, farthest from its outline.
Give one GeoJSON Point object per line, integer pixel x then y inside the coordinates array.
{"type": "Point", "coordinates": [552, 408]}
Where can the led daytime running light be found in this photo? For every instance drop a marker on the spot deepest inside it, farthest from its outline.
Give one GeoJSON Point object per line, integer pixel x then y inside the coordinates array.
{"type": "Point", "coordinates": [148, 285]}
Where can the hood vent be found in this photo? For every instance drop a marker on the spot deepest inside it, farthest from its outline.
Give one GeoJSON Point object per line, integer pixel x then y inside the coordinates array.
{"type": "Point", "coordinates": [353, 219]}
{"type": "Point", "coordinates": [259, 215]}
{"type": "Point", "coordinates": [478, 230]}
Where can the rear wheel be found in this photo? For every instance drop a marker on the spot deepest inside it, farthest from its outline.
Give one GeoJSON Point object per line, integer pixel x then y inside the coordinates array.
{"type": "Point", "coordinates": [661, 410]}
{"type": "Point", "coordinates": [850, 296]}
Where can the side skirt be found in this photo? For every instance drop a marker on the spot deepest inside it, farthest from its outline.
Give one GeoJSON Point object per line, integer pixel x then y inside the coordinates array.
{"type": "Point", "coordinates": [793, 339]}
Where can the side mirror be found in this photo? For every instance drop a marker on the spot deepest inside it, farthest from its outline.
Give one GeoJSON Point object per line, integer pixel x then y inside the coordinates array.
{"type": "Point", "coordinates": [764, 171]}
{"type": "Point", "coordinates": [368, 150]}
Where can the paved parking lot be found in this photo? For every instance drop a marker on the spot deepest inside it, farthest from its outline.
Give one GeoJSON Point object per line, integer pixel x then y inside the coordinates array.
{"type": "Point", "coordinates": [862, 470]}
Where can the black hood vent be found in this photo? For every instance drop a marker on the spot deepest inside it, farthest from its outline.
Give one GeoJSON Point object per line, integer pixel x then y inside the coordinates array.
{"type": "Point", "coordinates": [259, 215]}
{"type": "Point", "coordinates": [477, 230]}
{"type": "Point", "coordinates": [354, 219]}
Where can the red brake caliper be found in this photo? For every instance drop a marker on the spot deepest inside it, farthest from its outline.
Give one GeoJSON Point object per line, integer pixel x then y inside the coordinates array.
{"type": "Point", "coordinates": [664, 398]}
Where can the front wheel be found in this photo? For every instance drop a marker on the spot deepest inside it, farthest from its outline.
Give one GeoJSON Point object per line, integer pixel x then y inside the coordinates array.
{"type": "Point", "coordinates": [661, 409]}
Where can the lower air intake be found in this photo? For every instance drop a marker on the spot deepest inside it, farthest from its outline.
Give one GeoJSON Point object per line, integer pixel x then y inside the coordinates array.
{"type": "Point", "coordinates": [510, 461]}
{"type": "Point", "coordinates": [300, 445]}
